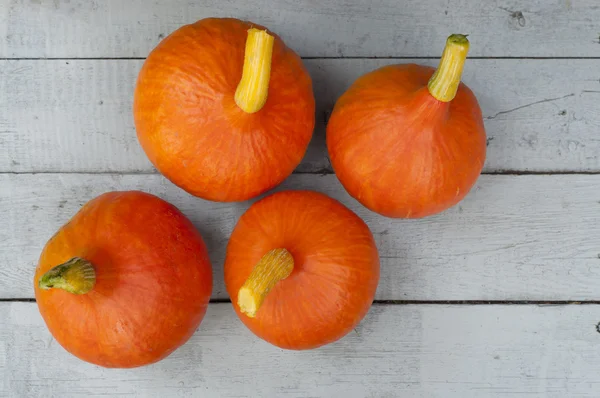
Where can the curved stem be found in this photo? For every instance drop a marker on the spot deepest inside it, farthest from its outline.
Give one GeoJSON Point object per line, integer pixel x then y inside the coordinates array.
{"type": "Point", "coordinates": [444, 83]}
{"type": "Point", "coordinates": [274, 266]}
{"type": "Point", "coordinates": [251, 93]}
{"type": "Point", "coordinates": [76, 276]}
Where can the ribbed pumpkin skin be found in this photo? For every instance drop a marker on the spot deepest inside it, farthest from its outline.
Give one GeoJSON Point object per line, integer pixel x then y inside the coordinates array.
{"type": "Point", "coordinates": [153, 281]}
{"type": "Point", "coordinates": [336, 268]}
{"type": "Point", "coordinates": [190, 127]}
{"type": "Point", "coordinates": [401, 152]}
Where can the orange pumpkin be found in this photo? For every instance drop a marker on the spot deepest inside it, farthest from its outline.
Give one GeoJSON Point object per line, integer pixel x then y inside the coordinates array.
{"type": "Point", "coordinates": [407, 140]}
{"type": "Point", "coordinates": [125, 282]}
{"type": "Point", "coordinates": [224, 109]}
{"type": "Point", "coordinates": [301, 269]}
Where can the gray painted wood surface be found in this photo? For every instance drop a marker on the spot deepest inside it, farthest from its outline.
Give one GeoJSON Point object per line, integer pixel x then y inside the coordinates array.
{"type": "Point", "coordinates": [512, 238]}
{"type": "Point", "coordinates": [67, 135]}
{"type": "Point", "coordinates": [414, 351]}
{"type": "Point", "coordinates": [541, 115]}
{"type": "Point", "coordinates": [339, 28]}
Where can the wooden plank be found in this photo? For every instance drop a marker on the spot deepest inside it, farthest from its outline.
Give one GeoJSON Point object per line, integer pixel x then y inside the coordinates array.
{"type": "Point", "coordinates": [341, 28]}
{"type": "Point", "coordinates": [397, 351]}
{"type": "Point", "coordinates": [513, 237]}
{"type": "Point", "coordinates": [75, 116]}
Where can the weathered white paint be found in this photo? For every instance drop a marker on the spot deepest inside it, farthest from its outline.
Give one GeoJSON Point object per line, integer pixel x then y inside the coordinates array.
{"type": "Point", "coordinates": [513, 237]}
{"type": "Point", "coordinates": [76, 115]}
{"type": "Point", "coordinates": [340, 28]}
{"type": "Point", "coordinates": [397, 351]}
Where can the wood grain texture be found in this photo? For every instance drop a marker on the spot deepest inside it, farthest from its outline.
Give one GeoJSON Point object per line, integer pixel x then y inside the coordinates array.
{"type": "Point", "coordinates": [340, 28]}
{"type": "Point", "coordinates": [397, 351]}
{"type": "Point", "coordinates": [522, 237]}
{"type": "Point", "coordinates": [76, 116]}
{"type": "Point", "coordinates": [512, 238]}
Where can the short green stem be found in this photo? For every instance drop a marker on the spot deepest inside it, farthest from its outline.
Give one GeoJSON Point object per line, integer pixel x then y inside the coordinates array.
{"type": "Point", "coordinates": [444, 83]}
{"type": "Point", "coordinates": [76, 276]}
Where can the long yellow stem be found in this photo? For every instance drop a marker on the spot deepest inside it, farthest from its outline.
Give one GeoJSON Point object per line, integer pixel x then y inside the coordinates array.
{"type": "Point", "coordinates": [76, 276]}
{"type": "Point", "coordinates": [274, 266]}
{"type": "Point", "coordinates": [252, 91]}
{"type": "Point", "coordinates": [446, 79]}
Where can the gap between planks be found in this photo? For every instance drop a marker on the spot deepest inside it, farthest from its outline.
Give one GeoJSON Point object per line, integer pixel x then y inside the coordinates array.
{"type": "Point", "coordinates": [315, 172]}
{"type": "Point", "coordinates": [391, 57]}
{"type": "Point", "coordinates": [408, 302]}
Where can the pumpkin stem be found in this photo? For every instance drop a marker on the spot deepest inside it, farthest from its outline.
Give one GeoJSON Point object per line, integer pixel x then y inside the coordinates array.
{"type": "Point", "coordinates": [444, 83]}
{"type": "Point", "coordinates": [251, 93]}
{"type": "Point", "coordinates": [76, 276]}
{"type": "Point", "coordinates": [274, 266]}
